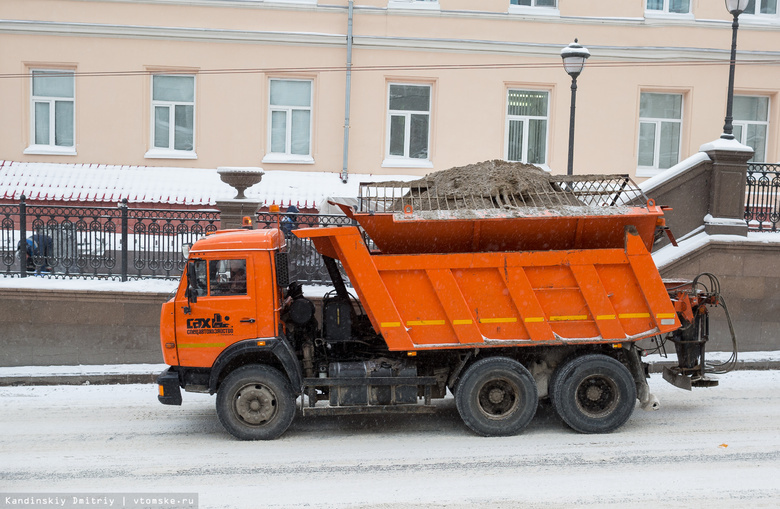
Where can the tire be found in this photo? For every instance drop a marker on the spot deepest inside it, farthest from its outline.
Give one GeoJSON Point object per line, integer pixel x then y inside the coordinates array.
{"type": "Point", "coordinates": [255, 402]}
{"type": "Point", "coordinates": [496, 397]}
{"type": "Point", "coordinates": [594, 393]}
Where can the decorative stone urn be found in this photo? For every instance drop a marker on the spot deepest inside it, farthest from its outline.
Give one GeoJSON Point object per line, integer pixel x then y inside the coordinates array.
{"type": "Point", "coordinates": [240, 178]}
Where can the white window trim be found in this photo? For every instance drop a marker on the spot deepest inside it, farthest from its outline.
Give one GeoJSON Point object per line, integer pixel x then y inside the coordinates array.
{"type": "Point", "coordinates": [665, 14]}
{"type": "Point", "coordinates": [48, 150]}
{"type": "Point", "coordinates": [51, 148]}
{"type": "Point", "coordinates": [745, 123]}
{"type": "Point", "coordinates": [650, 171]}
{"type": "Point", "coordinates": [171, 153]}
{"type": "Point", "coordinates": [168, 153]}
{"type": "Point", "coordinates": [279, 158]}
{"type": "Point", "coordinates": [287, 157]}
{"type": "Point", "coordinates": [525, 119]}
{"type": "Point", "coordinates": [392, 161]}
{"type": "Point", "coordinates": [414, 5]}
{"type": "Point", "coordinates": [534, 10]}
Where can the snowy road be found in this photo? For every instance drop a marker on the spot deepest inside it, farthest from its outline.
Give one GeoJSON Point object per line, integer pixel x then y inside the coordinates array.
{"type": "Point", "coordinates": [710, 448]}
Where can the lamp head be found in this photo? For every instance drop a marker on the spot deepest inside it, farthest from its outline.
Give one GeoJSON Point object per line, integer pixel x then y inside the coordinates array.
{"type": "Point", "coordinates": [574, 56]}
{"type": "Point", "coordinates": [736, 7]}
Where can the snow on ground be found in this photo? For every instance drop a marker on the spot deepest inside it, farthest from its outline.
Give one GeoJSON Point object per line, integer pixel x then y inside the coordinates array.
{"type": "Point", "coordinates": [713, 448]}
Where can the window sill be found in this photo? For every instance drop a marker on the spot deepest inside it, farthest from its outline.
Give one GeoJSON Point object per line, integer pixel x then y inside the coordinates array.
{"type": "Point", "coordinates": [648, 172]}
{"type": "Point", "coordinates": [412, 5]}
{"type": "Point", "coordinates": [275, 158]}
{"type": "Point", "coordinates": [308, 2]}
{"type": "Point", "coordinates": [162, 153]}
{"type": "Point", "coordinates": [48, 150]}
{"type": "Point", "coordinates": [398, 162]}
{"type": "Point", "coordinates": [669, 16]}
{"type": "Point", "coordinates": [534, 11]}
{"type": "Point", "coordinates": [759, 19]}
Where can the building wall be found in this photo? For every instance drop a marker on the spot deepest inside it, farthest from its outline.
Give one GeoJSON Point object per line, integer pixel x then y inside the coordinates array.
{"type": "Point", "coordinates": [471, 52]}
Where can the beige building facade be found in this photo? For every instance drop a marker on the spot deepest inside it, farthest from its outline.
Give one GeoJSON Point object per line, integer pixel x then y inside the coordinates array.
{"type": "Point", "coordinates": [422, 85]}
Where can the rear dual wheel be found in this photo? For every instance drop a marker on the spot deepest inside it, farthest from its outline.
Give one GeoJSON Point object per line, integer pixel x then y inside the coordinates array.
{"type": "Point", "coordinates": [496, 397]}
{"type": "Point", "coordinates": [593, 393]}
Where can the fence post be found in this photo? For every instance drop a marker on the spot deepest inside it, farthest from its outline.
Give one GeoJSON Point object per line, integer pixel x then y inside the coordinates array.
{"type": "Point", "coordinates": [22, 237]}
{"type": "Point", "coordinates": [123, 209]}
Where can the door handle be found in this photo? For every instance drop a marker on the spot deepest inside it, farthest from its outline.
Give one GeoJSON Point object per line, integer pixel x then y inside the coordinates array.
{"type": "Point", "coordinates": [247, 320]}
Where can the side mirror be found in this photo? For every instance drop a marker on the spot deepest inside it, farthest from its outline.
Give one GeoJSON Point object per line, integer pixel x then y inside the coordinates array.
{"type": "Point", "coordinates": [192, 291]}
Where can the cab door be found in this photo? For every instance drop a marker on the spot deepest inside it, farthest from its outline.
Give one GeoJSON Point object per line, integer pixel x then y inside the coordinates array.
{"type": "Point", "coordinates": [225, 310]}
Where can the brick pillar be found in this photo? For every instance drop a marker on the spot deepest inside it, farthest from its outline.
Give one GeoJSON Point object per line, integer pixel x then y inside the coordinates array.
{"type": "Point", "coordinates": [727, 191]}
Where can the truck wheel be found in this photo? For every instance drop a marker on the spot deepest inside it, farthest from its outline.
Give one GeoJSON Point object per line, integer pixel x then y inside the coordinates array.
{"type": "Point", "coordinates": [496, 397]}
{"type": "Point", "coordinates": [255, 403]}
{"type": "Point", "coordinates": [594, 393]}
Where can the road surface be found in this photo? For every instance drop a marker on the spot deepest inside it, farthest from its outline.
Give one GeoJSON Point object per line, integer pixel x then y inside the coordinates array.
{"type": "Point", "coordinates": [713, 448]}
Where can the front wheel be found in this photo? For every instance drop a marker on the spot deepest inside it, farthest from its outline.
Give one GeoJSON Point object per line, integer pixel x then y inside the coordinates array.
{"type": "Point", "coordinates": [594, 393]}
{"type": "Point", "coordinates": [496, 397]}
{"type": "Point", "coordinates": [255, 403]}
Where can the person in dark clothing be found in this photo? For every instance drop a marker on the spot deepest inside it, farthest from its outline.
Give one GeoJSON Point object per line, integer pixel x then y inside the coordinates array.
{"type": "Point", "coordinates": [290, 222]}
{"type": "Point", "coordinates": [40, 251]}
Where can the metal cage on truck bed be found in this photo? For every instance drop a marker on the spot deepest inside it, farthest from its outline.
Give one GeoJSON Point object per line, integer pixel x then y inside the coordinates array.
{"type": "Point", "coordinates": [557, 213]}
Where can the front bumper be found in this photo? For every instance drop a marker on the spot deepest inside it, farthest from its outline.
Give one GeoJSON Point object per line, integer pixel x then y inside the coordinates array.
{"type": "Point", "coordinates": [168, 385]}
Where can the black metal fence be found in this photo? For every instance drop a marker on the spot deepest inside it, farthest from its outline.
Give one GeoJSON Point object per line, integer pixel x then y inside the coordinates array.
{"type": "Point", "coordinates": [306, 264]}
{"type": "Point", "coordinates": [123, 243]}
{"type": "Point", "coordinates": [98, 242]}
{"type": "Point", "coordinates": [762, 203]}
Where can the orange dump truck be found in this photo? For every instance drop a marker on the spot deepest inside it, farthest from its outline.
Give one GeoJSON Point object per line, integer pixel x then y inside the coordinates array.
{"type": "Point", "coordinates": [501, 301]}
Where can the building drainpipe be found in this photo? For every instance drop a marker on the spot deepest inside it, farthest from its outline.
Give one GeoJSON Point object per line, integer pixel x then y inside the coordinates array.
{"type": "Point", "coordinates": [344, 171]}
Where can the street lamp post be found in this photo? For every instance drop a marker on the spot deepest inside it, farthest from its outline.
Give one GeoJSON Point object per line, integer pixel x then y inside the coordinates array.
{"type": "Point", "coordinates": [735, 7]}
{"type": "Point", "coordinates": [574, 56]}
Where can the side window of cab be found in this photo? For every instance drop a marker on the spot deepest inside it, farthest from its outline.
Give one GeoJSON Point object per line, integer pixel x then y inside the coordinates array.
{"type": "Point", "coordinates": [227, 277]}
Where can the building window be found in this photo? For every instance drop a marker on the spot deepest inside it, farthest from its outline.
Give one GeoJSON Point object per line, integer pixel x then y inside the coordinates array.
{"type": "Point", "coordinates": [759, 7]}
{"type": "Point", "coordinates": [669, 6]}
{"type": "Point", "coordinates": [751, 124]}
{"type": "Point", "coordinates": [526, 126]}
{"type": "Point", "coordinates": [173, 116]}
{"type": "Point", "coordinates": [53, 112]}
{"type": "Point", "coordinates": [408, 121]}
{"type": "Point", "coordinates": [289, 121]}
{"type": "Point", "coordinates": [660, 125]}
{"type": "Point", "coordinates": [535, 3]}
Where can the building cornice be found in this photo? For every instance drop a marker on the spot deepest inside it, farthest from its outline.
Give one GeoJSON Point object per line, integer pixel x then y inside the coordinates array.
{"type": "Point", "coordinates": [543, 50]}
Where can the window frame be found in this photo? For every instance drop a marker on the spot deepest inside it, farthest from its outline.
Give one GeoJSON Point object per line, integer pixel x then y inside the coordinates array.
{"type": "Point", "coordinates": [171, 152]}
{"type": "Point", "coordinates": [395, 161]}
{"type": "Point", "coordinates": [525, 119]}
{"type": "Point", "coordinates": [287, 157]}
{"type": "Point", "coordinates": [649, 171]}
{"type": "Point", "coordinates": [534, 9]}
{"type": "Point", "coordinates": [664, 13]}
{"type": "Point", "coordinates": [745, 123]}
{"type": "Point", "coordinates": [50, 148]}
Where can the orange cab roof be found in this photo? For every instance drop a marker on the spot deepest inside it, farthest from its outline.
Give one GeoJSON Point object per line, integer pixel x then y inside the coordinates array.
{"type": "Point", "coordinates": [223, 240]}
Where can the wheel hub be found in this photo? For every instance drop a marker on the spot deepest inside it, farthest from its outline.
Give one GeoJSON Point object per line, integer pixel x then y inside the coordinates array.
{"type": "Point", "coordinates": [255, 404]}
{"type": "Point", "coordinates": [498, 398]}
{"type": "Point", "coordinates": [597, 396]}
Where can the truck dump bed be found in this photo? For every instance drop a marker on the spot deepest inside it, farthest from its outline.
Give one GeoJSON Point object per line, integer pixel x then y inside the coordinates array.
{"type": "Point", "coordinates": [429, 301]}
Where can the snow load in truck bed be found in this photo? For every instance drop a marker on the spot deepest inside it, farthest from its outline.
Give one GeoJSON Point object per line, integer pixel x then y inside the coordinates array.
{"type": "Point", "coordinates": [502, 206]}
